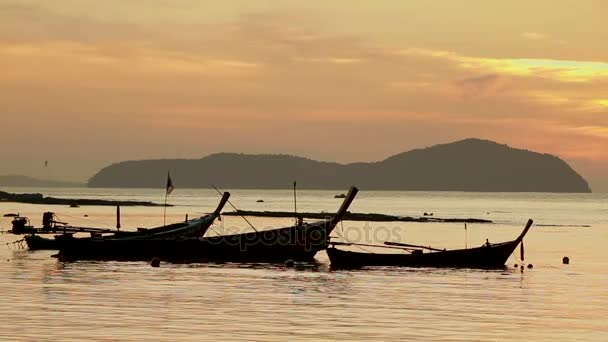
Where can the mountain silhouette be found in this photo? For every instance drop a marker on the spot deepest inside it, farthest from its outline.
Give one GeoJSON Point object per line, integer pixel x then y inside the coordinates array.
{"type": "Point", "coordinates": [25, 181]}
{"type": "Point", "coordinates": [466, 165]}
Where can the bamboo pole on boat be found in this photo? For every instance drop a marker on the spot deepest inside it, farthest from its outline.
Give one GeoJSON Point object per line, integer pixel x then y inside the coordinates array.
{"type": "Point", "coordinates": [389, 243]}
{"type": "Point", "coordinates": [337, 243]}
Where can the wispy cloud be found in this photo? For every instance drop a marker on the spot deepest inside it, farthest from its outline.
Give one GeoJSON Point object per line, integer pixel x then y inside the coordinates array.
{"type": "Point", "coordinates": [560, 70]}
{"type": "Point", "coordinates": [330, 60]}
{"type": "Point", "coordinates": [534, 35]}
{"type": "Point", "coordinates": [140, 57]}
{"type": "Point", "coordinates": [597, 131]}
{"type": "Point", "coordinates": [480, 85]}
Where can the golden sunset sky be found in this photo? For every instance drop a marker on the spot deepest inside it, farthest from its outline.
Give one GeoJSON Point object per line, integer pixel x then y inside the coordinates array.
{"type": "Point", "coordinates": [85, 83]}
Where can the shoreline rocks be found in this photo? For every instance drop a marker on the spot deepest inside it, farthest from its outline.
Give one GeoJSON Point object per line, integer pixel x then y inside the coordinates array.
{"type": "Point", "coordinates": [37, 198]}
{"type": "Point", "coordinates": [356, 217]}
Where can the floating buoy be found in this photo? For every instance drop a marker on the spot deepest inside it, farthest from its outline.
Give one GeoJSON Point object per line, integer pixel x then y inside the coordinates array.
{"type": "Point", "coordinates": [566, 260]}
{"type": "Point", "coordinates": [289, 263]}
{"type": "Point", "coordinates": [155, 262]}
{"type": "Point", "coordinates": [530, 266]}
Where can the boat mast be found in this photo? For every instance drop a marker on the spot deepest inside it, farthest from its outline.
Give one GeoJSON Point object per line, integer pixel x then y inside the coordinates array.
{"type": "Point", "coordinates": [118, 217]}
{"type": "Point", "coordinates": [466, 239]}
{"type": "Point", "coordinates": [295, 204]}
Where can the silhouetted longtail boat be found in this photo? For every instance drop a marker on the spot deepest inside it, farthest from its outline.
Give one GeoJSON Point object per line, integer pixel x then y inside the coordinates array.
{"type": "Point", "coordinates": [190, 228]}
{"type": "Point", "coordinates": [489, 255]}
{"type": "Point", "coordinates": [299, 243]}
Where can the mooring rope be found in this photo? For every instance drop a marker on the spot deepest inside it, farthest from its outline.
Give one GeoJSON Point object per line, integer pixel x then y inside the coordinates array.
{"type": "Point", "coordinates": [83, 219]}
{"type": "Point", "coordinates": [19, 243]}
{"type": "Point", "coordinates": [354, 244]}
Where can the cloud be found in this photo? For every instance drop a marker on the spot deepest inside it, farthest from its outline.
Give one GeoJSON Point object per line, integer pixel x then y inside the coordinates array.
{"type": "Point", "coordinates": [330, 60]}
{"type": "Point", "coordinates": [481, 85]}
{"type": "Point", "coordinates": [559, 70]}
{"type": "Point", "coordinates": [597, 131]}
{"type": "Point", "coordinates": [261, 77]}
{"type": "Point", "coordinates": [599, 105]}
{"type": "Point", "coordinates": [534, 36]}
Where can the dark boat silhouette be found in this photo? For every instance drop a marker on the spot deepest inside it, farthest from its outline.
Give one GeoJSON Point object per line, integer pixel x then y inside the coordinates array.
{"type": "Point", "coordinates": [191, 228]}
{"type": "Point", "coordinates": [298, 243]}
{"type": "Point", "coordinates": [493, 255]}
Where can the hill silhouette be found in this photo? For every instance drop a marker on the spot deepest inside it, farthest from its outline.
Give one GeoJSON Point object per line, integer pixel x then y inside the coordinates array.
{"type": "Point", "coordinates": [25, 181]}
{"type": "Point", "coordinates": [466, 165]}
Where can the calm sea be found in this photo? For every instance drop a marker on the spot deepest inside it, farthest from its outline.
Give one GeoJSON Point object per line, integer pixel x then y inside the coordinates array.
{"type": "Point", "coordinates": [43, 299]}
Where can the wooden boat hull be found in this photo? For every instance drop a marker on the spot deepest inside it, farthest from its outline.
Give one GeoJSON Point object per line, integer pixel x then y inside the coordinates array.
{"type": "Point", "coordinates": [37, 242]}
{"type": "Point", "coordinates": [297, 243]}
{"type": "Point", "coordinates": [279, 245]}
{"type": "Point", "coordinates": [490, 256]}
{"type": "Point", "coordinates": [494, 256]}
{"type": "Point", "coordinates": [192, 228]}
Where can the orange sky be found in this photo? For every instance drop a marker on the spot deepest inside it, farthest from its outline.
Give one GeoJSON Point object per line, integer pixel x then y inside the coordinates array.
{"type": "Point", "coordinates": [86, 83]}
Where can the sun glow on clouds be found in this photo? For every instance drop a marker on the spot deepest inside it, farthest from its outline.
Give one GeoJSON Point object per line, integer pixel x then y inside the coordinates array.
{"type": "Point", "coordinates": [601, 102]}
{"type": "Point", "coordinates": [245, 67]}
{"type": "Point", "coordinates": [577, 71]}
{"type": "Point", "coordinates": [561, 70]}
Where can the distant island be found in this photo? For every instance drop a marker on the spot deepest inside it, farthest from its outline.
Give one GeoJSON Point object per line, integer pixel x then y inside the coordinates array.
{"type": "Point", "coordinates": [29, 182]}
{"type": "Point", "coordinates": [466, 165]}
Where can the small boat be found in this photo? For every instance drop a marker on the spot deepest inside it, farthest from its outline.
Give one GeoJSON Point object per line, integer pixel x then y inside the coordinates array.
{"type": "Point", "coordinates": [191, 228]}
{"type": "Point", "coordinates": [490, 255]}
{"type": "Point", "coordinates": [37, 242]}
{"type": "Point", "coordinates": [50, 225]}
{"type": "Point", "coordinates": [298, 243]}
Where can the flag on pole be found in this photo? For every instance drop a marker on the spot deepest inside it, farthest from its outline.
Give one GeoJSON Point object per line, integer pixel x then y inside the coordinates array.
{"type": "Point", "coordinates": [170, 186]}
{"type": "Point", "coordinates": [169, 189]}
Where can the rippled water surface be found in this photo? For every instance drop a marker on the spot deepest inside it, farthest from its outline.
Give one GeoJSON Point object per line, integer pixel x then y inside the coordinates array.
{"type": "Point", "coordinates": [43, 299]}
